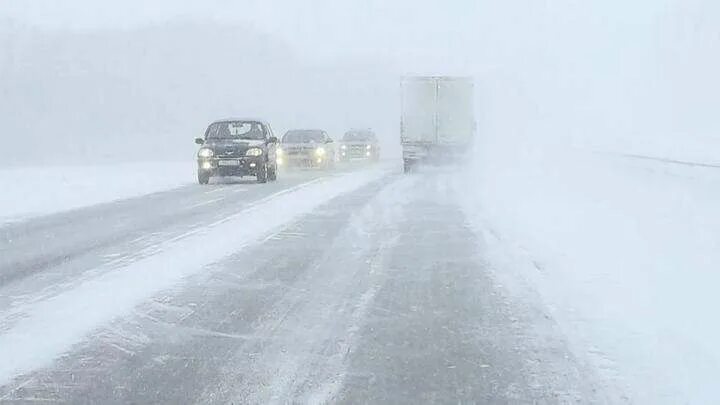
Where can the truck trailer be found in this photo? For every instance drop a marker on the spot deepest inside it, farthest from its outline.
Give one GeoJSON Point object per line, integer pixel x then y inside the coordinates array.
{"type": "Point", "coordinates": [437, 123]}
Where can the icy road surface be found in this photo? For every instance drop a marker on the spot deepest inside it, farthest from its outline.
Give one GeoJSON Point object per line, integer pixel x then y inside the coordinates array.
{"type": "Point", "coordinates": [351, 288]}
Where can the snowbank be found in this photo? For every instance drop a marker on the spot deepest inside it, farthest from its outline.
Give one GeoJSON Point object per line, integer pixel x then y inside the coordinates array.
{"type": "Point", "coordinates": [31, 191]}
{"type": "Point", "coordinates": [625, 252]}
{"type": "Point", "coordinates": [682, 147]}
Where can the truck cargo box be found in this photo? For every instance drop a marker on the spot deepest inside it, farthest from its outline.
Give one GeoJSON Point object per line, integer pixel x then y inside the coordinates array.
{"type": "Point", "coordinates": [438, 118]}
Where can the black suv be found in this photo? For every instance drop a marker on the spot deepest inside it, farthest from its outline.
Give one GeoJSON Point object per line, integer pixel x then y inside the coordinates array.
{"type": "Point", "coordinates": [237, 147]}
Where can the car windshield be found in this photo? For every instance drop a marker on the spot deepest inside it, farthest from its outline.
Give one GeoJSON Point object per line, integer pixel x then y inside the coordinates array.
{"type": "Point", "coordinates": [358, 136]}
{"type": "Point", "coordinates": [236, 130]}
{"type": "Point", "coordinates": [303, 136]}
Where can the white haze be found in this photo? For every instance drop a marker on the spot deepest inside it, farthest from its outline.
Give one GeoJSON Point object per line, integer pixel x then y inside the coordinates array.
{"type": "Point", "coordinates": [145, 93]}
{"type": "Point", "coordinates": [83, 79]}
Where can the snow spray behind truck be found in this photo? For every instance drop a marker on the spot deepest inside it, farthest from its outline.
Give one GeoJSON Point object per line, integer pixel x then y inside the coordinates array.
{"type": "Point", "coordinates": [437, 123]}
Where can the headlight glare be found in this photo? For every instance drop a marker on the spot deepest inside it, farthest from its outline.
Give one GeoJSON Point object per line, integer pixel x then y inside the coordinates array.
{"type": "Point", "coordinates": [205, 152]}
{"type": "Point", "coordinates": [254, 152]}
{"type": "Point", "coordinates": [320, 151]}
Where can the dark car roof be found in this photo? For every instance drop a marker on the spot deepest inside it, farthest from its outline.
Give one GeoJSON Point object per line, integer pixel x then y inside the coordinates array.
{"type": "Point", "coordinates": [240, 119]}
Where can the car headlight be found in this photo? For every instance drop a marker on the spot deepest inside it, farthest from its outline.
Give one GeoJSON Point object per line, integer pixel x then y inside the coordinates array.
{"type": "Point", "coordinates": [320, 151]}
{"type": "Point", "coordinates": [205, 153]}
{"type": "Point", "coordinates": [368, 147]}
{"type": "Point", "coordinates": [254, 152]}
{"type": "Point", "coordinates": [343, 147]}
{"type": "Point", "coordinates": [279, 151]}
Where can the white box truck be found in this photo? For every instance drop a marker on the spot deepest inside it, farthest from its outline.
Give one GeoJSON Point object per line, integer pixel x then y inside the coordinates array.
{"type": "Point", "coordinates": [437, 123]}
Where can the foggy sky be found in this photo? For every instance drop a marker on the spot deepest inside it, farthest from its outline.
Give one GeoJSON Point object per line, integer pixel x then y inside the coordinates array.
{"type": "Point", "coordinates": [444, 37]}
{"type": "Point", "coordinates": [587, 70]}
{"type": "Point", "coordinates": [324, 29]}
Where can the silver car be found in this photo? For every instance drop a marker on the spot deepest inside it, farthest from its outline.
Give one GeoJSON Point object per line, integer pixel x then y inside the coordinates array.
{"type": "Point", "coordinates": [307, 148]}
{"type": "Point", "coordinates": [360, 144]}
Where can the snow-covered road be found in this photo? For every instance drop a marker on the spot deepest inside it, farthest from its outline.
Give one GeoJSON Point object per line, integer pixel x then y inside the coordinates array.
{"type": "Point", "coordinates": [365, 286]}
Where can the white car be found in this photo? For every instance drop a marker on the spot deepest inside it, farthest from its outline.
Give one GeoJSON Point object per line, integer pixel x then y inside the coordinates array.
{"type": "Point", "coordinates": [360, 144]}
{"type": "Point", "coordinates": [307, 148]}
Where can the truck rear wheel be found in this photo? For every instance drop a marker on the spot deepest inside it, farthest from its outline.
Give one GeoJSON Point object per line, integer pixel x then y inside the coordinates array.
{"type": "Point", "coordinates": [407, 166]}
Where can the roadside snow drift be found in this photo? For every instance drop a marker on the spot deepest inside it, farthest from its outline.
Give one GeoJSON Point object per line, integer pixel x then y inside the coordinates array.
{"type": "Point", "coordinates": [50, 327]}
{"type": "Point", "coordinates": [624, 251]}
{"type": "Point", "coordinates": [32, 191]}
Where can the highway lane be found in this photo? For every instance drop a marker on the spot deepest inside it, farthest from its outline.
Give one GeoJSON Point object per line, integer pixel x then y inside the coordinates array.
{"type": "Point", "coordinates": [43, 252]}
{"type": "Point", "coordinates": [382, 295]}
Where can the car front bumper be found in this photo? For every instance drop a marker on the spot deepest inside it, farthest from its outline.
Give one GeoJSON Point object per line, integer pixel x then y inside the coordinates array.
{"type": "Point", "coordinates": [302, 160]}
{"type": "Point", "coordinates": [358, 156]}
{"type": "Point", "coordinates": [243, 166]}
{"type": "Point", "coordinates": [358, 152]}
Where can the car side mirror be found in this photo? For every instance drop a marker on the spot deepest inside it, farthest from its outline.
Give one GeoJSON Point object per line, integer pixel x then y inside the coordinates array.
{"type": "Point", "coordinates": [273, 139]}
{"type": "Point", "coordinates": [329, 140]}
{"type": "Point", "coordinates": [199, 141]}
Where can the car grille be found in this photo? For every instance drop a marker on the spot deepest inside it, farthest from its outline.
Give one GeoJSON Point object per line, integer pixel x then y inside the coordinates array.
{"type": "Point", "coordinates": [357, 151]}
{"type": "Point", "coordinates": [230, 152]}
{"type": "Point", "coordinates": [298, 151]}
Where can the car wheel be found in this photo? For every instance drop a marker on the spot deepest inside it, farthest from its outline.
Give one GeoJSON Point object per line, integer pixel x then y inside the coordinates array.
{"type": "Point", "coordinates": [203, 178]}
{"type": "Point", "coordinates": [262, 174]}
{"type": "Point", "coordinates": [272, 173]}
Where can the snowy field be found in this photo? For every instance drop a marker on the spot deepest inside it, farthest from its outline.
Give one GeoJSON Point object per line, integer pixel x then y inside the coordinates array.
{"type": "Point", "coordinates": [624, 251]}
{"type": "Point", "coordinates": [32, 191]}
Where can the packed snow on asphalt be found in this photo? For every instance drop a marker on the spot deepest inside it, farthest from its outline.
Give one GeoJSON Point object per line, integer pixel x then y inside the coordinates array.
{"type": "Point", "coordinates": [359, 286]}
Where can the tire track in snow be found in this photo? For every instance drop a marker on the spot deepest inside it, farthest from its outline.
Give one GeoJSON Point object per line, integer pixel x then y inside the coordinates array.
{"type": "Point", "coordinates": [72, 314]}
